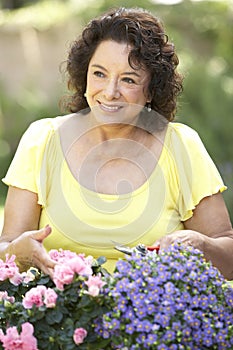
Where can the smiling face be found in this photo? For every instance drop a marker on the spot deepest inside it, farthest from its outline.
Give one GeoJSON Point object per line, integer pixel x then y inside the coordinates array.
{"type": "Point", "coordinates": [113, 85]}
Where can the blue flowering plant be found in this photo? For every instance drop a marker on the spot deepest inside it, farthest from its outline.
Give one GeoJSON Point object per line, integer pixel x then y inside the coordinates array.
{"type": "Point", "coordinates": [173, 300]}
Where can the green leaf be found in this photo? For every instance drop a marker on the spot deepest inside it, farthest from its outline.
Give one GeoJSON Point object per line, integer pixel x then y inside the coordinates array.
{"type": "Point", "coordinates": [54, 316]}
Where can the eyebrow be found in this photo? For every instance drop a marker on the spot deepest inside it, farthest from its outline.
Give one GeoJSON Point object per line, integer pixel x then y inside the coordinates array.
{"type": "Point", "coordinates": [124, 73]}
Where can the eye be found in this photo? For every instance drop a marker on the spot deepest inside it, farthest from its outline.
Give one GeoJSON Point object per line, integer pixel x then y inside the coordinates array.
{"type": "Point", "coordinates": [99, 74]}
{"type": "Point", "coordinates": [128, 80]}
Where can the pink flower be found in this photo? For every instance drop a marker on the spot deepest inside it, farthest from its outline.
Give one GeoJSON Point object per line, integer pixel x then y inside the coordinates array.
{"type": "Point", "coordinates": [61, 255]}
{"type": "Point", "coordinates": [94, 284]}
{"type": "Point", "coordinates": [34, 297]}
{"type": "Point", "coordinates": [63, 274]}
{"type": "Point", "coordinates": [80, 266]}
{"type": "Point", "coordinates": [77, 262]}
{"type": "Point", "coordinates": [89, 260]}
{"type": "Point", "coordinates": [50, 298]}
{"type": "Point", "coordinates": [79, 335]}
{"type": "Point", "coordinates": [29, 341]}
{"type": "Point", "coordinates": [4, 296]}
{"type": "Point", "coordinates": [16, 279]}
{"type": "Point", "coordinates": [15, 341]}
{"type": "Point", "coordinates": [28, 276]}
{"type": "Point", "coordinates": [10, 261]}
{"type": "Point", "coordinates": [39, 296]}
{"type": "Point", "coordinates": [9, 269]}
{"type": "Point", "coordinates": [54, 254]}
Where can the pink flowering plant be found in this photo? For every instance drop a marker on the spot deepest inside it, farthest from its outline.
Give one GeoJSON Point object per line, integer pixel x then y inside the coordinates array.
{"type": "Point", "coordinates": [172, 300]}
{"type": "Point", "coordinates": [39, 313]}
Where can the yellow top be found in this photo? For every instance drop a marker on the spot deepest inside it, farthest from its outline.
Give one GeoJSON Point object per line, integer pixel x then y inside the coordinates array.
{"type": "Point", "coordinates": [89, 222]}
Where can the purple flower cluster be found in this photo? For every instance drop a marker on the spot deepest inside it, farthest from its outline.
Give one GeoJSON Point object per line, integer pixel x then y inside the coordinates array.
{"type": "Point", "coordinates": [174, 300]}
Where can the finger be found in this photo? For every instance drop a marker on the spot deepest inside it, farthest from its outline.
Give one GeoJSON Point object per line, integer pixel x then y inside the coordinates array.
{"type": "Point", "coordinates": [163, 243]}
{"type": "Point", "coordinates": [44, 263]}
{"type": "Point", "coordinates": [41, 234]}
{"type": "Point", "coordinates": [50, 272]}
{"type": "Point", "coordinates": [157, 242]}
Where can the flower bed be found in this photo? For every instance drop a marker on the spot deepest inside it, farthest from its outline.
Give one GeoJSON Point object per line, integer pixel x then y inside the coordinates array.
{"type": "Point", "coordinates": [173, 300]}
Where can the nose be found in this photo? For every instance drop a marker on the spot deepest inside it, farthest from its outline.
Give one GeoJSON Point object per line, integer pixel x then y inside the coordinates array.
{"type": "Point", "coordinates": [112, 90]}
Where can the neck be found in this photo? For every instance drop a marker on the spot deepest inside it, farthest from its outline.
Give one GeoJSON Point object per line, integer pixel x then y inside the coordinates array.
{"type": "Point", "coordinates": [108, 131]}
{"type": "Point", "coordinates": [113, 131]}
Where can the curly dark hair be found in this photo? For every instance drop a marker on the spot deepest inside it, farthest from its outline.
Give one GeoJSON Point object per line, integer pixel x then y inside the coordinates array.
{"type": "Point", "coordinates": [150, 50]}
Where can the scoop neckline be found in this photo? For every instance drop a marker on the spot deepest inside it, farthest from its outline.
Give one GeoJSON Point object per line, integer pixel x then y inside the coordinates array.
{"type": "Point", "coordinates": [66, 168]}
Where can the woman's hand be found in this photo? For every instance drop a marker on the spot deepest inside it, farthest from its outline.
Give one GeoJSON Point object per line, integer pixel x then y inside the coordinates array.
{"type": "Point", "coordinates": [29, 250]}
{"type": "Point", "coordinates": [20, 235]}
{"type": "Point", "coordinates": [187, 237]}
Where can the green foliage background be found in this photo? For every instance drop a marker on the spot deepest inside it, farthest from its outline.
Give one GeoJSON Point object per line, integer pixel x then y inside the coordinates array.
{"type": "Point", "coordinates": [203, 35]}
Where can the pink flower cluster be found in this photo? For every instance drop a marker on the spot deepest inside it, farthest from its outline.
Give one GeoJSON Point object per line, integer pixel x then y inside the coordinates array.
{"type": "Point", "coordinates": [69, 264]}
{"type": "Point", "coordinates": [61, 255]}
{"type": "Point", "coordinates": [40, 296]}
{"type": "Point", "coordinates": [12, 340]}
{"type": "Point", "coordinates": [9, 269]}
{"type": "Point", "coordinates": [94, 284]}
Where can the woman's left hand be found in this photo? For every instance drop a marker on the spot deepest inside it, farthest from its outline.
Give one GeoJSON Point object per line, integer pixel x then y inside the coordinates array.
{"type": "Point", "coordinates": [209, 230]}
{"type": "Point", "coordinates": [187, 237]}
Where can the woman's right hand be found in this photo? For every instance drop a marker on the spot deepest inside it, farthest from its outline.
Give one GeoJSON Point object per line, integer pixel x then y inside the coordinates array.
{"type": "Point", "coordinates": [29, 250]}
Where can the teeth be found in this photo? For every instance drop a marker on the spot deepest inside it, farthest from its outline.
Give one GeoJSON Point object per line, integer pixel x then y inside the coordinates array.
{"type": "Point", "coordinates": [110, 108]}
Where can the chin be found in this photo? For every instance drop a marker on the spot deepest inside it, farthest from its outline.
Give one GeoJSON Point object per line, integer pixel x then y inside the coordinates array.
{"type": "Point", "coordinates": [125, 114]}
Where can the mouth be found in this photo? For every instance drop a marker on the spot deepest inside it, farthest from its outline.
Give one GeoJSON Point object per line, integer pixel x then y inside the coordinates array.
{"type": "Point", "coordinates": [110, 108]}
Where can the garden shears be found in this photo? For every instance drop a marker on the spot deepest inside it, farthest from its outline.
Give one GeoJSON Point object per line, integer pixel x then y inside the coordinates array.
{"type": "Point", "coordinates": [140, 248]}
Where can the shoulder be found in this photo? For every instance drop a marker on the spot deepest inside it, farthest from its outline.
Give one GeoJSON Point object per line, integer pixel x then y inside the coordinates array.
{"type": "Point", "coordinates": [185, 135]}
{"type": "Point", "coordinates": [40, 130]}
{"type": "Point", "coordinates": [45, 124]}
{"type": "Point", "coordinates": [183, 130]}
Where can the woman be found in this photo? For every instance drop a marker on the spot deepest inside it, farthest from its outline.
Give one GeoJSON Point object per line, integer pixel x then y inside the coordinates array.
{"type": "Point", "coordinates": [116, 170]}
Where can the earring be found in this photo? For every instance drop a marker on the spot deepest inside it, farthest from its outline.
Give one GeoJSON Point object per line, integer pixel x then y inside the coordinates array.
{"type": "Point", "coordinates": [85, 94]}
{"type": "Point", "coordinates": [148, 106]}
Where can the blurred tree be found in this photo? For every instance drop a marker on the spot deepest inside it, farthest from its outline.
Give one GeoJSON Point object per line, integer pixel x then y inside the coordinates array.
{"type": "Point", "coordinates": [15, 4]}
{"type": "Point", "coordinates": [205, 35]}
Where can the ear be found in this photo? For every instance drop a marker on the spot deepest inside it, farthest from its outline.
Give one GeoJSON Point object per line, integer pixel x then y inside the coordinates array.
{"type": "Point", "coordinates": [149, 97]}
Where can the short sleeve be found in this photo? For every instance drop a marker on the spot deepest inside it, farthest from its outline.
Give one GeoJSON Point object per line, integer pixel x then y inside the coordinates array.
{"type": "Point", "coordinates": [197, 174]}
{"type": "Point", "coordinates": [24, 169]}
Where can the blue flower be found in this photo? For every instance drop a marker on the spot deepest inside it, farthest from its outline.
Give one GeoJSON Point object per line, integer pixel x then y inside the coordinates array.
{"type": "Point", "coordinates": [129, 328]}
{"type": "Point", "coordinates": [144, 326]}
{"type": "Point", "coordinates": [151, 339]}
{"type": "Point", "coordinates": [175, 300]}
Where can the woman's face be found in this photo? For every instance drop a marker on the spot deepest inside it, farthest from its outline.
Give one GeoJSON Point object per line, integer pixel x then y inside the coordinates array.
{"type": "Point", "coordinates": [113, 85]}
